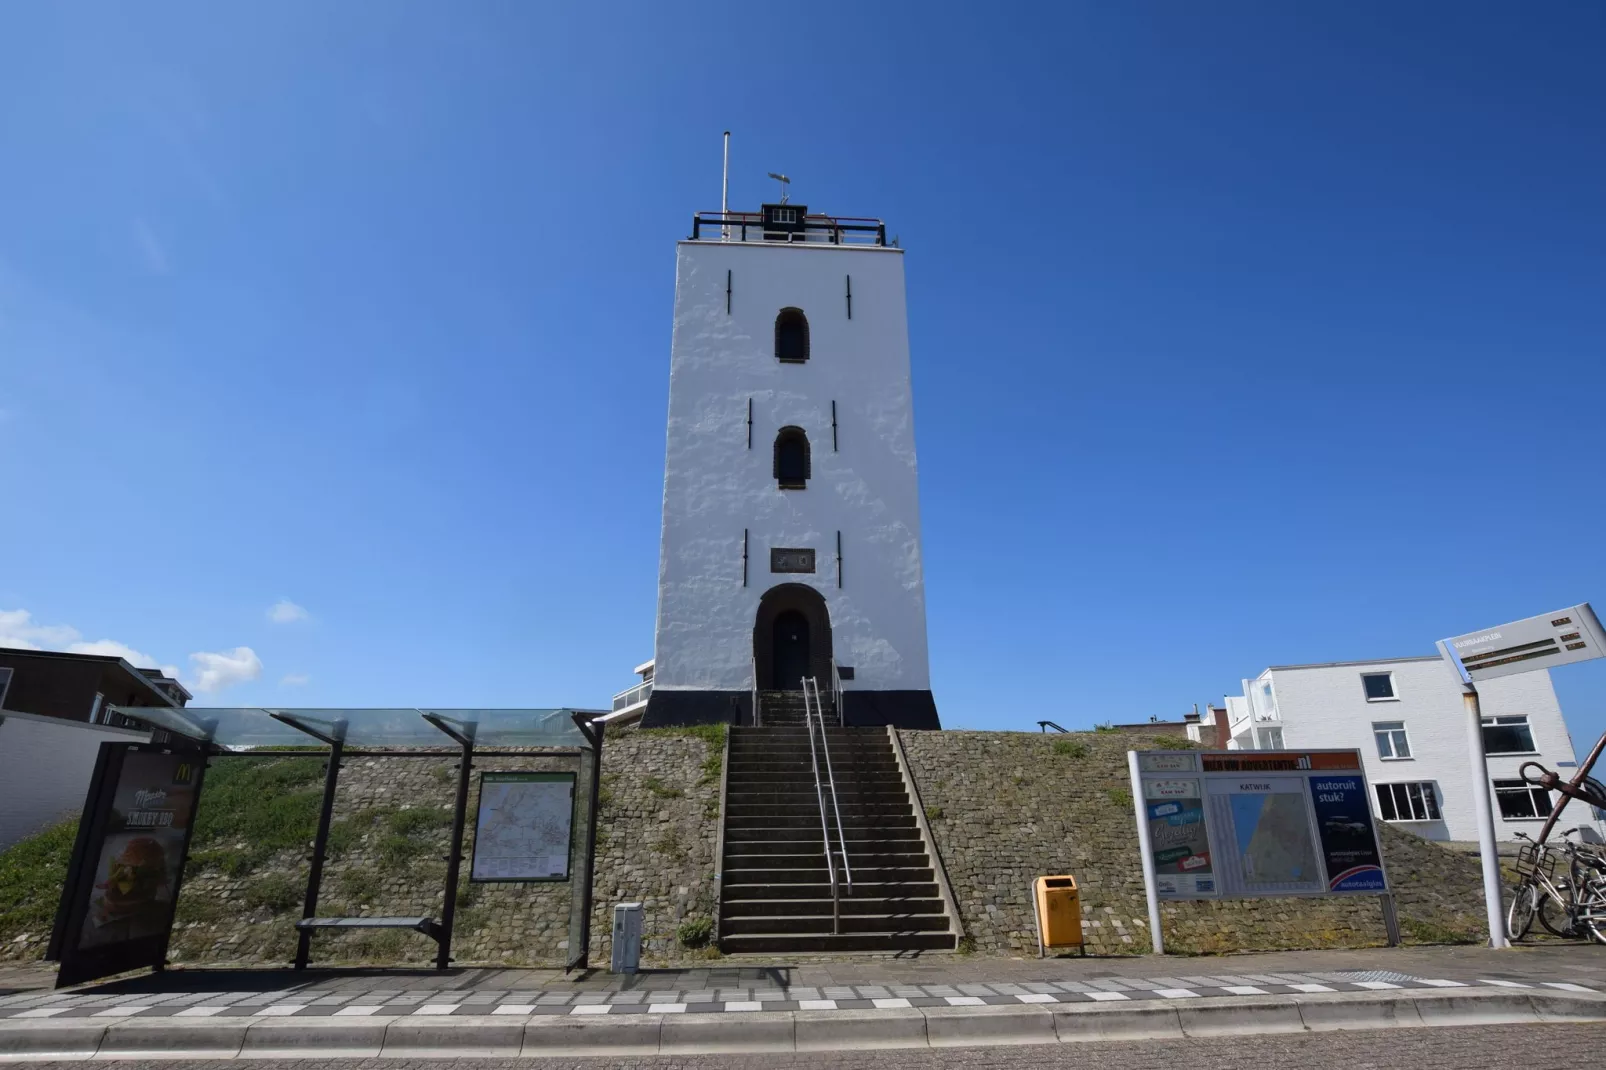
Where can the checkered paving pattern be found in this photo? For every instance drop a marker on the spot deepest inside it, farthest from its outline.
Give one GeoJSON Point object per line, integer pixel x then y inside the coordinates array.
{"type": "Point", "coordinates": [312, 1002]}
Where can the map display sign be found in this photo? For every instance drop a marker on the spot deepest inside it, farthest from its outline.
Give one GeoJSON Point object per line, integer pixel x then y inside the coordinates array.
{"type": "Point", "coordinates": [525, 827]}
{"type": "Point", "coordinates": [1250, 824]}
{"type": "Point", "coordinates": [118, 900]}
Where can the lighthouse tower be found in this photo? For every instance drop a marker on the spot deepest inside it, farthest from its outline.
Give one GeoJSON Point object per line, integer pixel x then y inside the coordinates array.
{"type": "Point", "coordinates": [791, 522]}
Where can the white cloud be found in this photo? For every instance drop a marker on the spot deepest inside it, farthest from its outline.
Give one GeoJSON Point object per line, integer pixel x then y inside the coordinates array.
{"type": "Point", "coordinates": [285, 611]}
{"type": "Point", "coordinates": [295, 679]}
{"type": "Point", "coordinates": [18, 630]}
{"type": "Point", "coordinates": [215, 671]}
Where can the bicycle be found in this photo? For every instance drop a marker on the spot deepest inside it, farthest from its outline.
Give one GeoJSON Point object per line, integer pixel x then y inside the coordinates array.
{"type": "Point", "coordinates": [1567, 906]}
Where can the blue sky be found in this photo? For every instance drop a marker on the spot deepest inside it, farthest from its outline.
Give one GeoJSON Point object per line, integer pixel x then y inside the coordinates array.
{"type": "Point", "coordinates": [1243, 334]}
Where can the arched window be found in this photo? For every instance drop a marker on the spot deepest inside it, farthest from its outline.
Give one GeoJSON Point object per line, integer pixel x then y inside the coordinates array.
{"type": "Point", "coordinates": [792, 459]}
{"type": "Point", "coordinates": [792, 336]}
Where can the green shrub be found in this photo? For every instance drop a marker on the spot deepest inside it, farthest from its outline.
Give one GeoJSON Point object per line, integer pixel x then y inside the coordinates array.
{"type": "Point", "coordinates": [933, 813]}
{"type": "Point", "coordinates": [669, 846]}
{"type": "Point", "coordinates": [395, 849]}
{"type": "Point", "coordinates": [360, 885]}
{"type": "Point", "coordinates": [1121, 797]}
{"type": "Point", "coordinates": [419, 819]}
{"type": "Point", "coordinates": [31, 876]}
{"type": "Point", "coordinates": [275, 891]}
{"type": "Point", "coordinates": [660, 789]}
{"type": "Point", "coordinates": [1070, 748]}
{"type": "Point", "coordinates": [695, 932]}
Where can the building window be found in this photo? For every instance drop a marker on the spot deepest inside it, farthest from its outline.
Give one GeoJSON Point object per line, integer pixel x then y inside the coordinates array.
{"type": "Point", "coordinates": [1392, 743]}
{"type": "Point", "coordinates": [1412, 801]}
{"type": "Point", "coordinates": [5, 685]}
{"type": "Point", "coordinates": [1270, 739]}
{"type": "Point", "coordinates": [1508, 735]}
{"type": "Point", "coordinates": [792, 467]}
{"type": "Point", "coordinates": [792, 336]}
{"type": "Point", "coordinates": [1519, 800]}
{"type": "Point", "coordinates": [784, 215]}
{"type": "Point", "coordinates": [94, 709]}
{"type": "Point", "coordinates": [1379, 686]}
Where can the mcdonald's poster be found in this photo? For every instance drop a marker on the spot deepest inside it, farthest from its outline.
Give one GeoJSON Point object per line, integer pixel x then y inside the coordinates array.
{"type": "Point", "coordinates": [132, 858]}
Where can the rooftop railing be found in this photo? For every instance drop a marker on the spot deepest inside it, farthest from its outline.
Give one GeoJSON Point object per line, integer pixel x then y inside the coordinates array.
{"type": "Point", "coordinates": [632, 696]}
{"type": "Point", "coordinates": [749, 227]}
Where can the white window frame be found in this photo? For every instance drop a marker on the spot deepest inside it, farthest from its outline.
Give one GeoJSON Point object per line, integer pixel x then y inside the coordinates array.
{"type": "Point", "coordinates": [1394, 692]}
{"type": "Point", "coordinates": [1432, 809]}
{"type": "Point", "coordinates": [1263, 736]}
{"type": "Point", "coordinates": [1394, 755]}
{"type": "Point", "coordinates": [784, 215]}
{"type": "Point", "coordinates": [1509, 720]}
{"type": "Point", "coordinates": [1513, 788]}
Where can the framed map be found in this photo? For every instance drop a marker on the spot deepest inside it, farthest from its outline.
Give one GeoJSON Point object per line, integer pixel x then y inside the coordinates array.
{"type": "Point", "coordinates": [524, 830]}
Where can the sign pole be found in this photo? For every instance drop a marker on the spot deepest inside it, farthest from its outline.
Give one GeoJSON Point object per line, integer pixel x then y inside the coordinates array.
{"type": "Point", "coordinates": [1146, 850]}
{"type": "Point", "coordinates": [1487, 848]}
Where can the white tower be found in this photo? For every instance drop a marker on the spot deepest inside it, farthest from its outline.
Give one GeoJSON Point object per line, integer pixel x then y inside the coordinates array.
{"type": "Point", "coordinates": [791, 534]}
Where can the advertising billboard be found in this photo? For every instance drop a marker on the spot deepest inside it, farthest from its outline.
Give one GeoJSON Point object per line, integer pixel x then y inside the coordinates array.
{"type": "Point", "coordinates": [1251, 824]}
{"type": "Point", "coordinates": [117, 904]}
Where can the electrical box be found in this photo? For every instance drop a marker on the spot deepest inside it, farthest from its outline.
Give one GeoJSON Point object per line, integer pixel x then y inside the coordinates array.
{"type": "Point", "coordinates": [626, 938]}
{"type": "Point", "coordinates": [1059, 912]}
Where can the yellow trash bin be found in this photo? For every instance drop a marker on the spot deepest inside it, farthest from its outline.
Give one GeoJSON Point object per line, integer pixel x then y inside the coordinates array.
{"type": "Point", "coordinates": [1059, 912]}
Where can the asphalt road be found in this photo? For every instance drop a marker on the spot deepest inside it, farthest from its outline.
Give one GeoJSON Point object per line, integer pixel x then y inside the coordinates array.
{"type": "Point", "coordinates": [1421, 1049]}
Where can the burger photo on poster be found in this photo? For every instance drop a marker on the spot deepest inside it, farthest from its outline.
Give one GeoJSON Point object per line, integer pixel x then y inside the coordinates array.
{"type": "Point", "coordinates": [134, 885]}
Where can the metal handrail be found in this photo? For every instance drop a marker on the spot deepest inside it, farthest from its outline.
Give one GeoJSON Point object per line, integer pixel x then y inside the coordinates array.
{"type": "Point", "coordinates": [758, 721]}
{"type": "Point", "coordinates": [836, 692]}
{"type": "Point", "coordinates": [836, 806]}
{"type": "Point", "coordinates": [825, 829]}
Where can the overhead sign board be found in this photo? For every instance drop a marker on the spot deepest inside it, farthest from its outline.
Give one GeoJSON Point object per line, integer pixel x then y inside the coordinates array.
{"type": "Point", "coordinates": [1252, 824]}
{"type": "Point", "coordinates": [1542, 642]}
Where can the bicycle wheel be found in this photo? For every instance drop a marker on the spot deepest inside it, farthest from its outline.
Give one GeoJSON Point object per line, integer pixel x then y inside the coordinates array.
{"type": "Point", "coordinates": [1592, 911]}
{"type": "Point", "coordinates": [1524, 906]}
{"type": "Point", "coordinates": [1556, 915]}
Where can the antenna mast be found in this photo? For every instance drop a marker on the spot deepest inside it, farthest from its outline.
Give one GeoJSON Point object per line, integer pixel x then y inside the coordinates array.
{"type": "Point", "coordinates": [724, 189]}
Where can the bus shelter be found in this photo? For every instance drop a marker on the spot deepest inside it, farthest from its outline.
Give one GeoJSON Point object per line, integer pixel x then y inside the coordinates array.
{"type": "Point", "coordinates": [118, 901]}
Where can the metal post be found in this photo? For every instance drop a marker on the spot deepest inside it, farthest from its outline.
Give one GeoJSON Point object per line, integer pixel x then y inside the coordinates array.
{"type": "Point", "coordinates": [1480, 796]}
{"type": "Point", "coordinates": [724, 200]}
{"type": "Point", "coordinates": [320, 845]}
{"type": "Point", "coordinates": [593, 730]}
{"type": "Point", "coordinates": [1391, 919]}
{"type": "Point", "coordinates": [1141, 812]}
{"type": "Point", "coordinates": [454, 860]}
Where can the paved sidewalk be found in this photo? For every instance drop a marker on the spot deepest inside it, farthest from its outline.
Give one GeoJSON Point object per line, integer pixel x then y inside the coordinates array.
{"type": "Point", "coordinates": [877, 984]}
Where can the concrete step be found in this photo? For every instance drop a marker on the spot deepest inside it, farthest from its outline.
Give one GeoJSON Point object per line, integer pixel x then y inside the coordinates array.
{"type": "Point", "coordinates": [823, 924]}
{"type": "Point", "coordinates": [850, 906]}
{"type": "Point", "coordinates": [828, 943]}
{"type": "Point", "coordinates": [849, 822]}
{"type": "Point", "coordinates": [864, 889]}
{"type": "Point", "coordinates": [743, 880]}
{"type": "Point", "coordinates": [810, 808]}
{"type": "Point", "coordinates": [796, 838]}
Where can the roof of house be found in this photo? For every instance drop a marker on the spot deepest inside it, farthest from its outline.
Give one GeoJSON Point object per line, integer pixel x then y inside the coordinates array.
{"type": "Point", "coordinates": [1342, 664]}
{"type": "Point", "coordinates": [148, 677]}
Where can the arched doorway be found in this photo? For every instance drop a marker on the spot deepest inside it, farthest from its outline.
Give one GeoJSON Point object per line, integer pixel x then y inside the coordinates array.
{"type": "Point", "coordinates": [791, 637]}
{"type": "Point", "coordinates": [789, 650]}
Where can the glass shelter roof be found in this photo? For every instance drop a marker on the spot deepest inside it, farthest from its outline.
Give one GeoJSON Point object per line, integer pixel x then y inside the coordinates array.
{"type": "Point", "coordinates": [246, 727]}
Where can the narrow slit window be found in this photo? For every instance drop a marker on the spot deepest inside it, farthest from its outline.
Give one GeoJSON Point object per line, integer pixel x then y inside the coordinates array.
{"type": "Point", "coordinates": [792, 336]}
{"type": "Point", "coordinates": [792, 467]}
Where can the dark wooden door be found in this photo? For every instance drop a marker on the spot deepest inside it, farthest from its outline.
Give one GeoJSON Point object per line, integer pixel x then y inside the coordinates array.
{"type": "Point", "coordinates": [790, 651]}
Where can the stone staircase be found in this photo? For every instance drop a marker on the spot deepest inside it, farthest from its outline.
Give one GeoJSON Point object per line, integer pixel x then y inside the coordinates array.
{"type": "Point", "coordinates": [776, 896]}
{"type": "Point", "coordinates": [784, 709]}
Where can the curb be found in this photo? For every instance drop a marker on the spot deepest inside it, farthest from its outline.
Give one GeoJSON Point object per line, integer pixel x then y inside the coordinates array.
{"type": "Point", "coordinates": [503, 1036]}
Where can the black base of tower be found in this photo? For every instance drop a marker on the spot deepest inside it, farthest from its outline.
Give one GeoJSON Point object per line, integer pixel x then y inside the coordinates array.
{"type": "Point", "coordinates": [862, 709]}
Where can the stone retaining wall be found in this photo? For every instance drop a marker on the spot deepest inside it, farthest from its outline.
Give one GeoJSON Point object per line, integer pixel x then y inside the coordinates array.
{"type": "Point", "coordinates": [655, 845]}
{"type": "Point", "coordinates": [1005, 807]}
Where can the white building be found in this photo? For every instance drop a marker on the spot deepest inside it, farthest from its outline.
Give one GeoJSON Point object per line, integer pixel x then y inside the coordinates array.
{"type": "Point", "coordinates": [791, 521]}
{"type": "Point", "coordinates": [1407, 718]}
